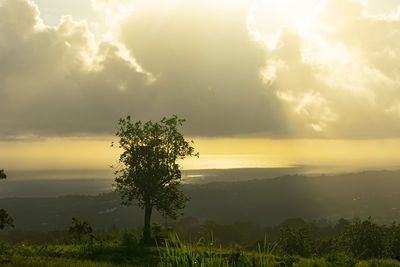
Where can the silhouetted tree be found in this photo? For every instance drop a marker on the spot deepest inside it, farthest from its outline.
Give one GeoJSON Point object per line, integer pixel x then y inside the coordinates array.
{"type": "Point", "coordinates": [149, 172]}
{"type": "Point", "coordinates": [2, 174]}
{"type": "Point", "coordinates": [80, 228]}
{"type": "Point", "coordinates": [5, 219]}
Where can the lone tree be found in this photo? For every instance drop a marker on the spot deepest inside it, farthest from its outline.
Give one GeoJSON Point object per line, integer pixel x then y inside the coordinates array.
{"type": "Point", "coordinates": [149, 172]}
{"type": "Point", "coordinates": [5, 219]}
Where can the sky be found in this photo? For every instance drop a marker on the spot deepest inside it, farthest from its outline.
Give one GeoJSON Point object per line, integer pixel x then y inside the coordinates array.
{"type": "Point", "coordinates": [261, 83]}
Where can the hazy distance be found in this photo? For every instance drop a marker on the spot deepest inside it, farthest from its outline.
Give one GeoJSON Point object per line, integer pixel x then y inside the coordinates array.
{"type": "Point", "coordinates": [262, 84]}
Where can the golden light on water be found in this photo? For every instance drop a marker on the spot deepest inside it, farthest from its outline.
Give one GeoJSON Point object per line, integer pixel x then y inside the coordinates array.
{"type": "Point", "coordinates": [304, 76]}
{"type": "Point", "coordinates": [215, 153]}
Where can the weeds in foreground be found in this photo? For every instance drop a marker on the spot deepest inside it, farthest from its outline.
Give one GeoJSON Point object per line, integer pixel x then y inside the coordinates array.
{"type": "Point", "coordinates": [177, 253]}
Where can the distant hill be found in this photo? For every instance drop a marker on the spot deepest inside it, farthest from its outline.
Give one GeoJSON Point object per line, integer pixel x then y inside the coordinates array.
{"type": "Point", "coordinates": [52, 183]}
{"type": "Point", "coordinates": [270, 201]}
{"type": "Point", "coordinates": [264, 201]}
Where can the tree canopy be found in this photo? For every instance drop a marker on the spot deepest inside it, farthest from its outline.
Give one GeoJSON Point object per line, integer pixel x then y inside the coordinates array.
{"type": "Point", "coordinates": [2, 174]}
{"type": "Point", "coordinates": [149, 172]}
{"type": "Point", "coordinates": [80, 228]}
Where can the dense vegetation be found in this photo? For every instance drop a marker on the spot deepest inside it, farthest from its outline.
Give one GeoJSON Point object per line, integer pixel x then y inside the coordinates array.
{"type": "Point", "coordinates": [360, 242]}
{"type": "Point", "coordinates": [189, 243]}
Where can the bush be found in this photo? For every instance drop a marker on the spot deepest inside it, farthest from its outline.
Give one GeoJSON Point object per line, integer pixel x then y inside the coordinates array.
{"type": "Point", "coordinates": [295, 241]}
{"type": "Point", "coordinates": [339, 259]}
{"type": "Point", "coordinates": [130, 241]}
{"type": "Point", "coordinates": [394, 241]}
{"type": "Point", "coordinates": [365, 240]}
{"type": "Point", "coordinates": [80, 228]}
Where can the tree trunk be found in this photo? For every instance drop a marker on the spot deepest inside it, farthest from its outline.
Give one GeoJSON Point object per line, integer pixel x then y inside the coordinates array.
{"type": "Point", "coordinates": [146, 230]}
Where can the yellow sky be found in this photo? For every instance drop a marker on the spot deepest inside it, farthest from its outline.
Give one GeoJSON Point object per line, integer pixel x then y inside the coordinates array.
{"type": "Point", "coordinates": [301, 82]}
{"type": "Point", "coordinates": [214, 153]}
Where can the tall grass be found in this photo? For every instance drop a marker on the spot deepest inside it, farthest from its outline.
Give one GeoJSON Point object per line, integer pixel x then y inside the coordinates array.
{"type": "Point", "coordinates": [177, 253]}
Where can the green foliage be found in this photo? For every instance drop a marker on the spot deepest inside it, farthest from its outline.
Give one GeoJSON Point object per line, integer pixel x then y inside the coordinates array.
{"type": "Point", "coordinates": [125, 249]}
{"type": "Point", "coordinates": [379, 263]}
{"type": "Point", "coordinates": [38, 261]}
{"type": "Point", "coordinates": [265, 254]}
{"type": "Point", "coordinates": [149, 172]}
{"type": "Point", "coordinates": [325, 246]}
{"type": "Point", "coordinates": [339, 259]}
{"type": "Point", "coordinates": [295, 241]}
{"type": "Point", "coordinates": [80, 228]}
{"type": "Point", "coordinates": [365, 239]}
{"type": "Point", "coordinates": [159, 233]}
{"type": "Point", "coordinates": [6, 250]}
{"type": "Point", "coordinates": [130, 241]}
{"type": "Point", "coordinates": [394, 240]}
{"type": "Point", "coordinates": [177, 253]}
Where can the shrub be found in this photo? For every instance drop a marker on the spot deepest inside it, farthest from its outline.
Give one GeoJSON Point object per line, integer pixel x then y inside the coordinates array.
{"type": "Point", "coordinates": [295, 241]}
{"type": "Point", "coordinates": [365, 240]}
{"type": "Point", "coordinates": [130, 241]}
{"type": "Point", "coordinates": [80, 228]}
{"type": "Point", "coordinates": [339, 259]}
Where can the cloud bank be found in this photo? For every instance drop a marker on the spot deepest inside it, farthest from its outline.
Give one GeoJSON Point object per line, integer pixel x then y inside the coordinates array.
{"type": "Point", "coordinates": [336, 78]}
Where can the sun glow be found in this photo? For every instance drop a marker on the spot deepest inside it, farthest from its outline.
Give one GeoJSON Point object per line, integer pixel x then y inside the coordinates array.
{"type": "Point", "coordinates": [113, 10]}
{"type": "Point", "coordinates": [266, 18]}
{"type": "Point", "coordinates": [215, 153]}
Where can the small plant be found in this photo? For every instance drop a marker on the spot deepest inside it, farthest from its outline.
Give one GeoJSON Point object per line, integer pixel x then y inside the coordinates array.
{"type": "Point", "coordinates": [265, 255]}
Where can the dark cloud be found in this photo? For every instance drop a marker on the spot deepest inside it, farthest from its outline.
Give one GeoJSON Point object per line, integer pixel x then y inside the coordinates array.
{"type": "Point", "coordinates": [208, 68]}
{"type": "Point", "coordinates": [55, 81]}
{"type": "Point", "coordinates": [198, 60]}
